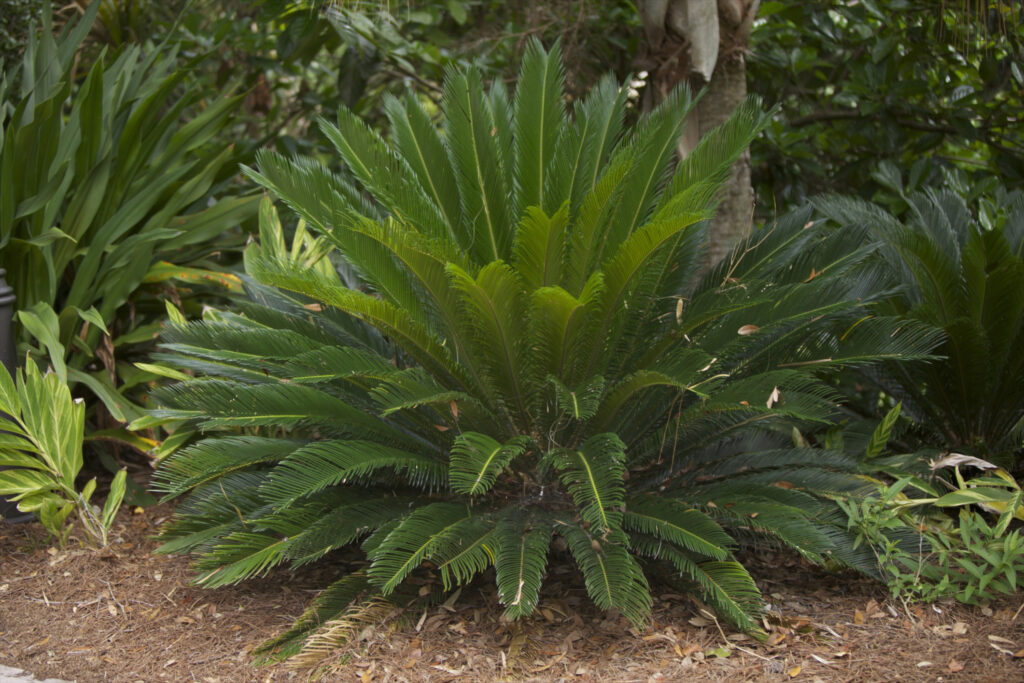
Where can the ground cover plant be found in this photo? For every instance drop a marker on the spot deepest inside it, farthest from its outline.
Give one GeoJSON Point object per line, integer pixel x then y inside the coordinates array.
{"type": "Point", "coordinates": [519, 359]}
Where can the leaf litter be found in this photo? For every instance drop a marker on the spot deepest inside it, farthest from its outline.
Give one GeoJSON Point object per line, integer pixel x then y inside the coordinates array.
{"type": "Point", "coordinates": [128, 615]}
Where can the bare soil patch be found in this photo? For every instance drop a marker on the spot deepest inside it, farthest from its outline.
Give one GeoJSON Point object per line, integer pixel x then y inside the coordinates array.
{"type": "Point", "coordinates": [125, 614]}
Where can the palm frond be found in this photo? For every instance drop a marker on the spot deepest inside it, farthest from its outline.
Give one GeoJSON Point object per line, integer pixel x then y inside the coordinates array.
{"type": "Point", "coordinates": [687, 528]}
{"type": "Point", "coordinates": [612, 576]}
{"type": "Point", "coordinates": [519, 564]}
{"type": "Point", "coordinates": [477, 459]}
{"type": "Point", "coordinates": [413, 540]}
{"type": "Point", "coordinates": [536, 117]}
{"type": "Point", "coordinates": [593, 475]}
{"type": "Point", "coordinates": [318, 465]}
{"type": "Point", "coordinates": [476, 158]}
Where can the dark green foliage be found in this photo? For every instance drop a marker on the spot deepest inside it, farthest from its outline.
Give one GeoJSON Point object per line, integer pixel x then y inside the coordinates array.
{"type": "Point", "coordinates": [964, 274]}
{"type": "Point", "coordinates": [528, 364]}
{"type": "Point", "coordinates": [881, 94]}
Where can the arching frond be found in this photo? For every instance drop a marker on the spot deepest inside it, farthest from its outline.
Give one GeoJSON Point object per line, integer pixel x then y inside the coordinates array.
{"type": "Point", "coordinates": [478, 165]}
{"type": "Point", "coordinates": [593, 474]}
{"type": "Point", "coordinates": [211, 459]}
{"type": "Point", "coordinates": [688, 528]}
{"type": "Point", "coordinates": [317, 465]}
{"type": "Point", "coordinates": [612, 576]}
{"type": "Point", "coordinates": [477, 459]}
{"type": "Point", "coordinates": [519, 564]}
{"type": "Point", "coordinates": [414, 539]}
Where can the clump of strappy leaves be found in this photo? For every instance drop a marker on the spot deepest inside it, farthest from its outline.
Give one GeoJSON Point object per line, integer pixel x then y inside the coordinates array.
{"type": "Point", "coordinates": [519, 363]}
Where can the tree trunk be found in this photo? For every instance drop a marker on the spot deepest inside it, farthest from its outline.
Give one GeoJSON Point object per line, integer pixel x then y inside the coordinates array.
{"type": "Point", "coordinates": [704, 43]}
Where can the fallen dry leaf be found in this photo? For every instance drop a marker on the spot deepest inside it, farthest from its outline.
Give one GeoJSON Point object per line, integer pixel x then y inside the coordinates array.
{"type": "Point", "coordinates": [747, 329]}
{"type": "Point", "coordinates": [955, 666]}
{"type": "Point", "coordinates": [858, 617]}
{"type": "Point", "coordinates": [795, 671]}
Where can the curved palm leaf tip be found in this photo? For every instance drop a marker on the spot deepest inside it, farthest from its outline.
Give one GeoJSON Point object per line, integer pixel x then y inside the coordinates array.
{"type": "Point", "coordinates": [528, 358]}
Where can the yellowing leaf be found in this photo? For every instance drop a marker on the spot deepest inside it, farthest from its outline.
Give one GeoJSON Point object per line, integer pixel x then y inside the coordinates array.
{"type": "Point", "coordinates": [795, 671]}
{"type": "Point", "coordinates": [858, 617]}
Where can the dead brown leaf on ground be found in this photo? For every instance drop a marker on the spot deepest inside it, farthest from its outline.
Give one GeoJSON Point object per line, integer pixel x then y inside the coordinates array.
{"type": "Point", "coordinates": [125, 614]}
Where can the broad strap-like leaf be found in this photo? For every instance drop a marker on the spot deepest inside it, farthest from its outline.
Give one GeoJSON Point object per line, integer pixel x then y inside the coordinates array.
{"type": "Point", "coordinates": [477, 459]}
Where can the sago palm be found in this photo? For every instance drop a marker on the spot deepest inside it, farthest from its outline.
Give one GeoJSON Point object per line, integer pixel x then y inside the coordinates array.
{"type": "Point", "coordinates": [966, 279]}
{"type": "Point", "coordinates": [520, 363]}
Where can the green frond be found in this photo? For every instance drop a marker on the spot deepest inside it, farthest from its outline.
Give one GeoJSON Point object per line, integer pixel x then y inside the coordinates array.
{"type": "Point", "coordinates": [323, 198]}
{"type": "Point", "coordinates": [219, 404]}
{"type": "Point", "coordinates": [654, 142]}
{"type": "Point", "coordinates": [419, 143]}
{"type": "Point", "coordinates": [584, 144]}
{"type": "Point", "coordinates": [670, 521]}
{"type": "Point", "coordinates": [536, 117]}
{"type": "Point", "coordinates": [597, 209]}
{"type": "Point", "coordinates": [329, 363]}
{"type": "Point", "coordinates": [213, 511]}
{"type": "Point", "coordinates": [612, 576]}
{"type": "Point", "coordinates": [411, 336]}
{"type": "Point", "coordinates": [563, 328]}
{"type": "Point", "coordinates": [330, 603]}
{"type": "Point", "coordinates": [713, 157]}
{"type": "Point", "coordinates": [359, 513]}
{"type": "Point", "coordinates": [581, 402]}
{"type": "Point", "coordinates": [211, 459]}
{"type": "Point", "coordinates": [414, 540]}
{"type": "Point", "coordinates": [690, 370]}
{"type": "Point", "coordinates": [244, 341]}
{"type": "Point", "coordinates": [239, 556]}
{"type": "Point", "coordinates": [540, 246]}
{"type": "Point", "coordinates": [383, 173]}
{"type": "Point", "coordinates": [477, 459]}
{"type": "Point", "coordinates": [320, 464]}
{"type": "Point", "coordinates": [724, 585]}
{"type": "Point", "coordinates": [476, 158]}
{"type": "Point", "coordinates": [521, 557]}
{"type": "Point", "coordinates": [495, 308]}
{"type": "Point", "coordinates": [593, 474]}
{"type": "Point", "coordinates": [401, 390]}
{"type": "Point", "coordinates": [467, 555]}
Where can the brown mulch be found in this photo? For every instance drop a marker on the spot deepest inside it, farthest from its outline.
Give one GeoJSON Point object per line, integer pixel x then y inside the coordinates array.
{"type": "Point", "coordinates": [124, 614]}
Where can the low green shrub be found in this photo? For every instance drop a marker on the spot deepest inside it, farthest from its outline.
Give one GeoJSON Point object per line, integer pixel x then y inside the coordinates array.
{"type": "Point", "coordinates": [518, 362]}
